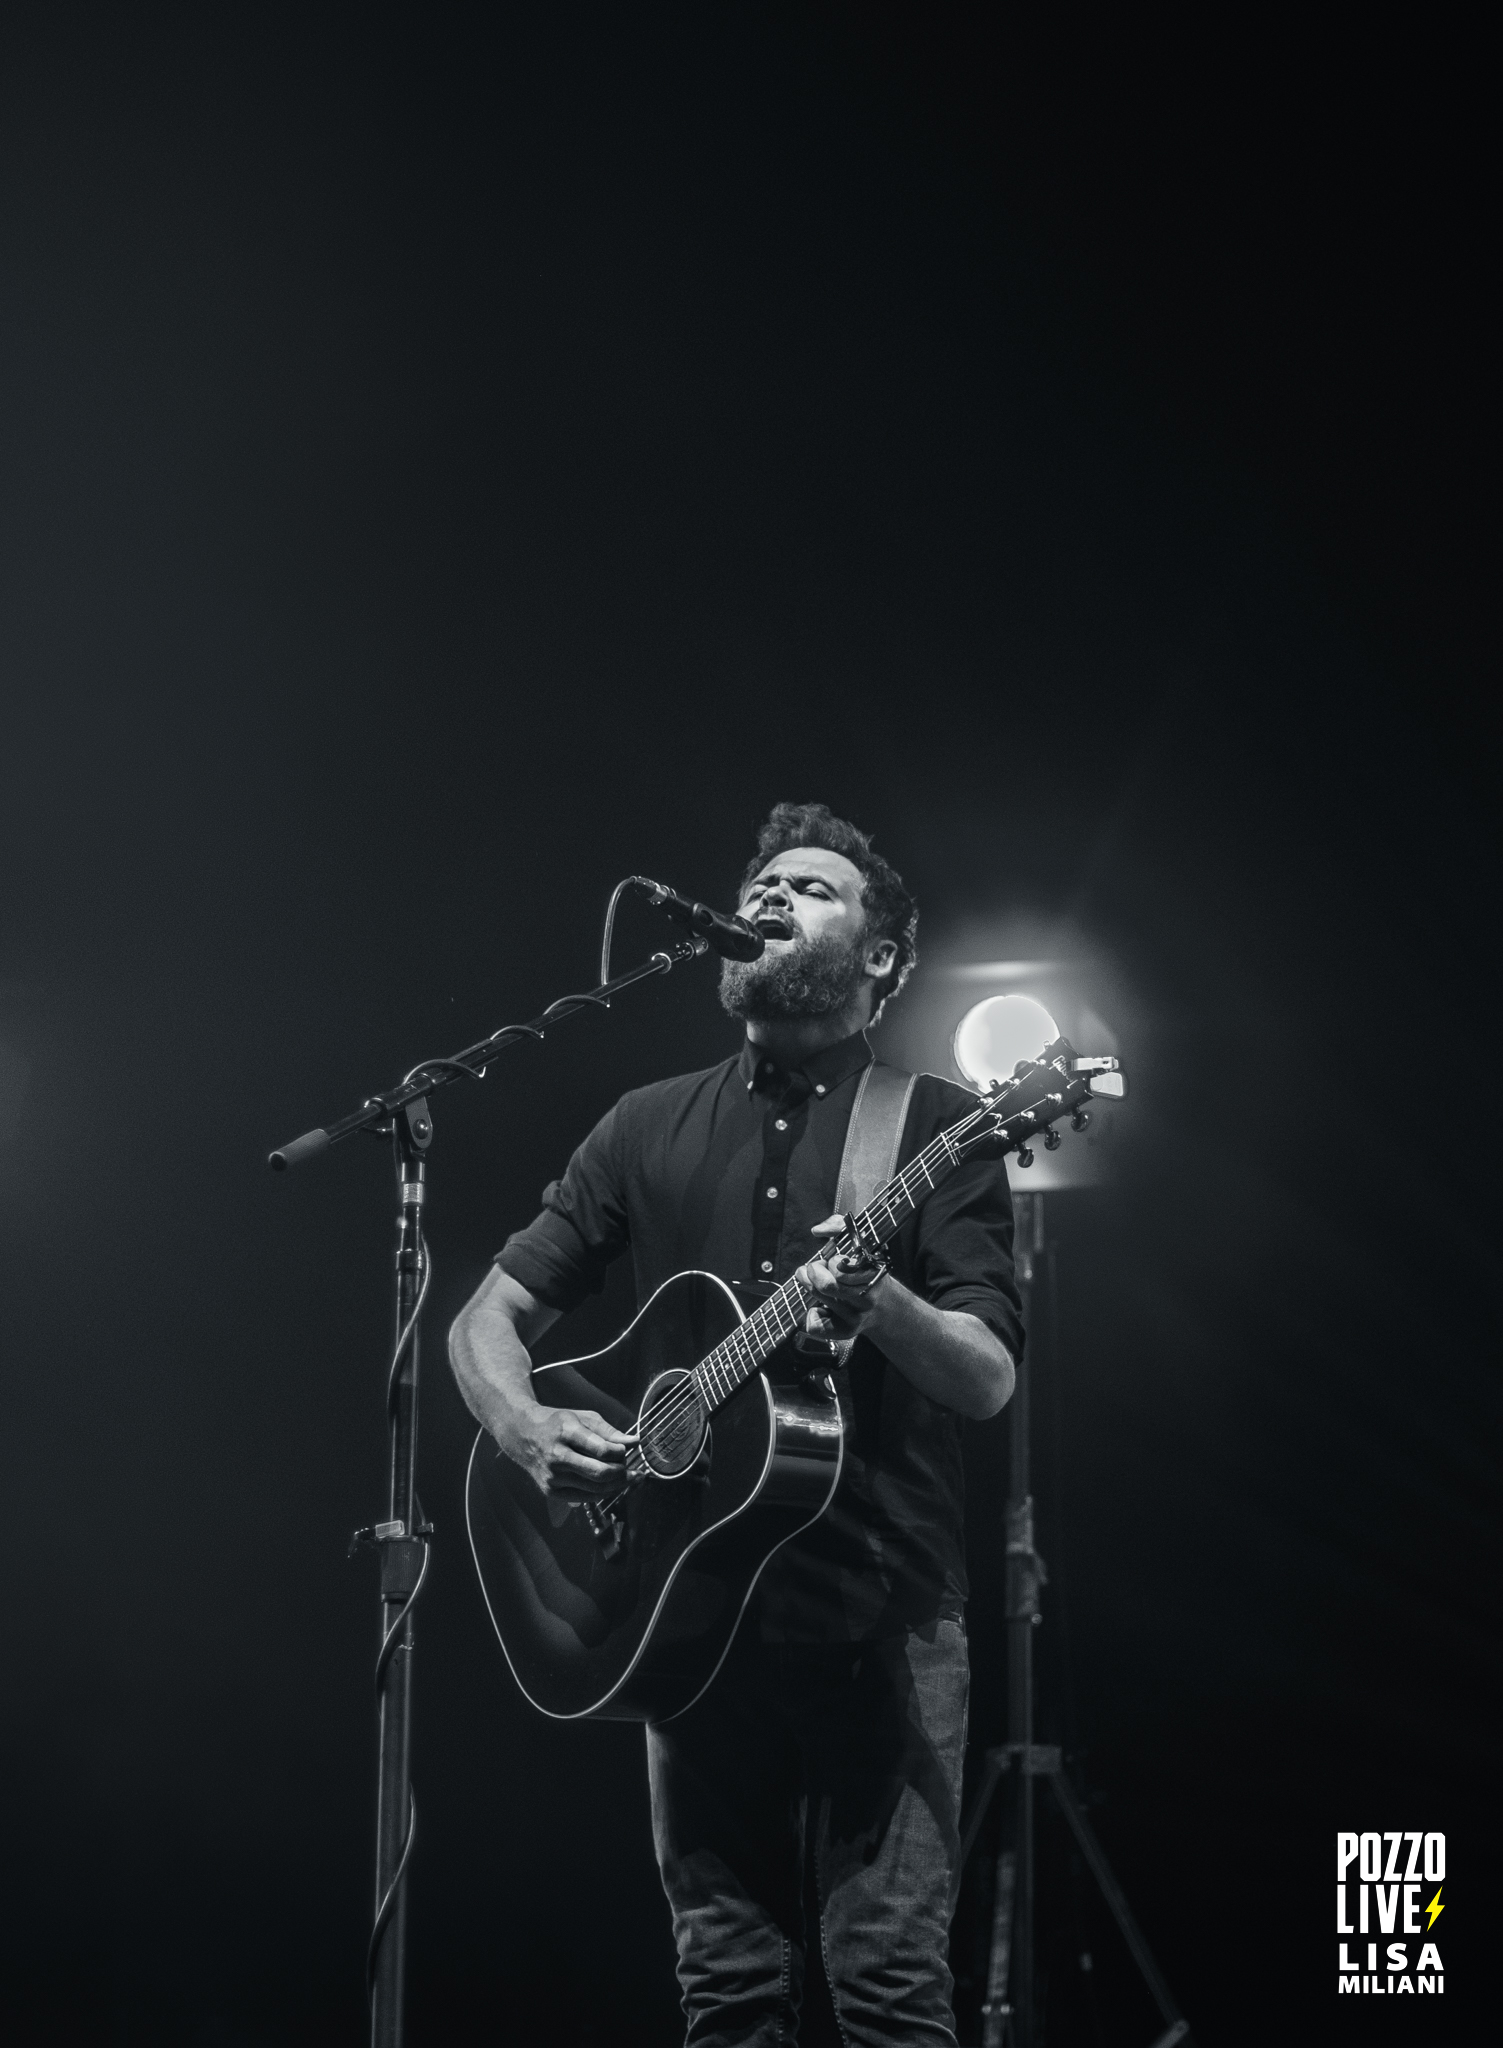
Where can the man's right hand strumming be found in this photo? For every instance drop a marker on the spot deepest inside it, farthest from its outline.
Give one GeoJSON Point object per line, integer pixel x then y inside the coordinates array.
{"type": "Point", "coordinates": [569, 1451]}
{"type": "Point", "coordinates": [565, 1451]}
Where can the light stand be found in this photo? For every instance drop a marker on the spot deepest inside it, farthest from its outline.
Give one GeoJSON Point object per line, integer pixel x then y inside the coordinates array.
{"type": "Point", "coordinates": [1009, 2010]}
{"type": "Point", "coordinates": [402, 1114]}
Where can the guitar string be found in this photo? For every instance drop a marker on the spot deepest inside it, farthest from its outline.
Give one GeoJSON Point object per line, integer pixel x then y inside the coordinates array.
{"type": "Point", "coordinates": [719, 1363]}
{"type": "Point", "coordinates": [690, 1393]}
{"type": "Point", "coordinates": [733, 1360]}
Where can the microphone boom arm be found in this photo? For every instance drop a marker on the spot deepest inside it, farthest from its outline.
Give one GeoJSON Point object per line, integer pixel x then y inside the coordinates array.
{"type": "Point", "coordinates": [377, 1112]}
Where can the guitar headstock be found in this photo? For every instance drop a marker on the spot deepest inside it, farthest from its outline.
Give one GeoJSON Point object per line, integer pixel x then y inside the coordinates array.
{"type": "Point", "coordinates": [1041, 1094]}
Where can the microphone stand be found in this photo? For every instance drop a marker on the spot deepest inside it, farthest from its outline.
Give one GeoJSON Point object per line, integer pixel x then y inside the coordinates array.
{"type": "Point", "coordinates": [402, 1114]}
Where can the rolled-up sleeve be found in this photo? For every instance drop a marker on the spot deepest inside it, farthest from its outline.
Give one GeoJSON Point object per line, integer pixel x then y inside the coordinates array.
{"type": "Point", "coordinates": [563, 1253]}
{"type": "Point", "coordinates": [963, 1246]}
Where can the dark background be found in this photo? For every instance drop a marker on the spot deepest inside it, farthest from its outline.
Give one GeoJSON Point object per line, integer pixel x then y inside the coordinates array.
{"type": "Point", "coordinates": [450, 462]}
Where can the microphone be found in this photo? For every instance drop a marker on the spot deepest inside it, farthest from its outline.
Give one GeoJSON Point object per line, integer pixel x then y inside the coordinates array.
{"type": "Point", "coordinates": [731, 937]}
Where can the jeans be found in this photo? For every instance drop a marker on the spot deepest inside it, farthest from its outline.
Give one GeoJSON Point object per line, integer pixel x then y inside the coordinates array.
{"type": "Point", "coordinates": [862, 1744]}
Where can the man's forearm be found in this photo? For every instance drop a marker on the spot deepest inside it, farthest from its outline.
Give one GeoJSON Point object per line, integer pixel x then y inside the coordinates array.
{"type": "Point", "coordinates": [946, 1353]}
{"type": "Point", "coordinates": [564, 1450]}
{"type": "Point", "coordinates": [489, 1352]}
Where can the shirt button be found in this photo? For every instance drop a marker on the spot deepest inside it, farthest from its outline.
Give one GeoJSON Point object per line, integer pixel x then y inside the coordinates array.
{"type": "Point", "coordinates": [767, 1265]}
{"type": "Point", "coordinates": [819, 1087]}
{"type": "Point", "coordinates": [772, 1194]}
{"type": "Point", "coordinates": [780, 1125]}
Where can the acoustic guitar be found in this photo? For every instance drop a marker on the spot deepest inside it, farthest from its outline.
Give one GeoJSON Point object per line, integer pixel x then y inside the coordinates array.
{"type": "Point", "coordinates": [624, 1608]}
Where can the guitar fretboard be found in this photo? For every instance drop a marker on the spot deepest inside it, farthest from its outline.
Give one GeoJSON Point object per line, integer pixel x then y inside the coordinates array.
{"type": "Point", "coordinates": [752, 1343]}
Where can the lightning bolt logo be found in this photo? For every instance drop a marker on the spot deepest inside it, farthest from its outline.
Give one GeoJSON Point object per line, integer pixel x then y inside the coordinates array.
{"type": "Point", "coordinates": [1434, 1908]}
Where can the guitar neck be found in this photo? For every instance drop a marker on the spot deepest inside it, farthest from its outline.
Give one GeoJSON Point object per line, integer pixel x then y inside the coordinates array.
{"type": "Point", "coordinates": [782, 1315]}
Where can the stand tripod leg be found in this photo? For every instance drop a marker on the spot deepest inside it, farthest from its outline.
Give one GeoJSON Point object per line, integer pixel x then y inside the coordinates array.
{"type": "Point", "coordinates": [1178, 2028]}
{"type": "Point", "coordinates": [996, 2011]}
{"type": "Point", "coordinates": [996, 1763]}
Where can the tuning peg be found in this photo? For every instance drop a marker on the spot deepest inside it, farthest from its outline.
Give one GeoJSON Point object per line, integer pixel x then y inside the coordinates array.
{"type": "Point", "coordinates": [1025, 1156]}
{"type": "Point", "coordinates": [1052, 1140]}
{"type": "Point", "coordinates": [1080, 1119]}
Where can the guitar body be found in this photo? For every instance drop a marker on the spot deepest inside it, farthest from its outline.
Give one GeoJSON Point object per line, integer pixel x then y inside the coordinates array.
{"type": "Point", "coordinates": [628, 1615]}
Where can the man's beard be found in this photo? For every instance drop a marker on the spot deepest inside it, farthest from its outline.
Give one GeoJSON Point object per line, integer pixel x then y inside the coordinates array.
{"type": "Point", "coordinates": [814, 979]}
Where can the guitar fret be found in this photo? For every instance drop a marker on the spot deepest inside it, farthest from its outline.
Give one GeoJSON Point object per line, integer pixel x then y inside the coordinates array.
{"type": "Point", "coordinates": [739, 1355]}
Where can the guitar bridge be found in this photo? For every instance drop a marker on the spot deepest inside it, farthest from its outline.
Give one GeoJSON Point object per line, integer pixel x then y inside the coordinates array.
{"type": "Point", "coordinates": [607, 1520]}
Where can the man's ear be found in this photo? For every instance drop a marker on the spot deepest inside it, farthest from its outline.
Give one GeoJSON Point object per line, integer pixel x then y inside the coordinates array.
{"type": "Point", "coordinates": [880, 957]}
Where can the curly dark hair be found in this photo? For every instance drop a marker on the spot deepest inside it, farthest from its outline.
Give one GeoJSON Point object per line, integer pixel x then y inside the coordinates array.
{"type": "Point", "coordinates": [891, 912]}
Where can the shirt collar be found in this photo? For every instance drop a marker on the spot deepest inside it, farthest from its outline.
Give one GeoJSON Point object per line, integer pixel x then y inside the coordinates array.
{"type": "Point", "coordinates": [820, 1074]}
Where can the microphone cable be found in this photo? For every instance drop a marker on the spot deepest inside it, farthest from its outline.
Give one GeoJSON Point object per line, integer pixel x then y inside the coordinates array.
{"type": "Point", "coordinates": [391, 1640]}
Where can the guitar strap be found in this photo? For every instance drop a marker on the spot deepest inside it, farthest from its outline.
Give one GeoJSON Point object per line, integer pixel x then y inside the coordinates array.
{"type": "Point", "coordinates": [876, 1131]}
{"type": "Point", "coordinates": [869, 1161]}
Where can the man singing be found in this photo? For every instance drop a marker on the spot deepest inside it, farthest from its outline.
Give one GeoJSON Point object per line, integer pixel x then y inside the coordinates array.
{"type": "Point", "coordinates": [838, 1719]}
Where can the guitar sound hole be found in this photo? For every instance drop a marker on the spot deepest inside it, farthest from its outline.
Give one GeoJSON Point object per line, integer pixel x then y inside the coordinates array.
{"type": "Point", "coordinates": [672, 1423]}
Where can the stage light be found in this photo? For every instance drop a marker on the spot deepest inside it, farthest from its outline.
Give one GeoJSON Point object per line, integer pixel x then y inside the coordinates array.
{"type": "Point", "coordinates": [992, 1037]}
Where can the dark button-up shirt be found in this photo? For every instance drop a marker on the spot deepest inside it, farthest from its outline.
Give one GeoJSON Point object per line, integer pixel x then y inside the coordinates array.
{"type": "Point", "coordinates": [728, 1171]}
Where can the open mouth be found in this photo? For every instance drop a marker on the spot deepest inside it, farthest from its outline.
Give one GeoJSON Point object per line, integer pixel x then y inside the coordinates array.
{"type": "Point", "coordinates": [771, 926]}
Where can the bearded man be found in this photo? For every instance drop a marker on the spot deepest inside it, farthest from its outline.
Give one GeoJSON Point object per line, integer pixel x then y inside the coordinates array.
{"type": "Point", "coordinates": [837, 1724]}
